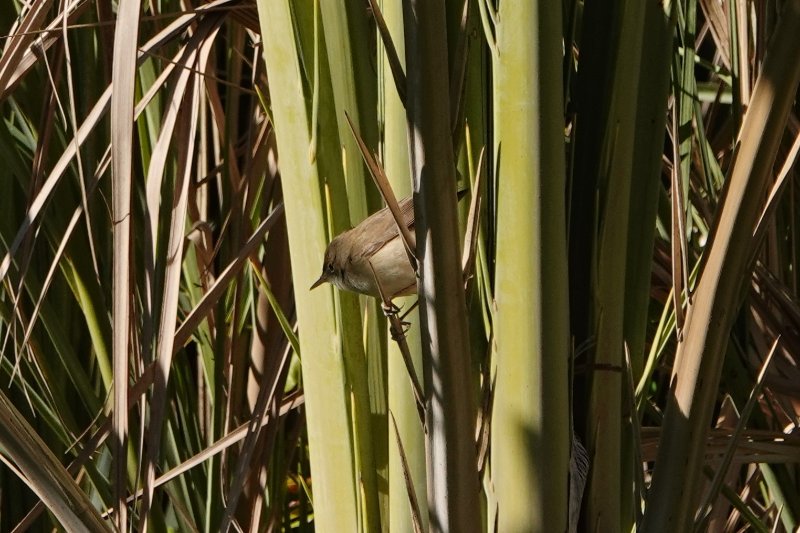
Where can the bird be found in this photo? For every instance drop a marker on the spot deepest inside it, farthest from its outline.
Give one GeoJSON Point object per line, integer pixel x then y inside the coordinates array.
{"type": "Point", "coordinates": [373, 250]}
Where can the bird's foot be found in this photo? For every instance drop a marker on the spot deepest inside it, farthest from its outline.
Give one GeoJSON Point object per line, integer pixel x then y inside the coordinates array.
{"type": "Point", "coordinates": [397, 335]}
{"type": "Point", "coordinates": [389, 308]}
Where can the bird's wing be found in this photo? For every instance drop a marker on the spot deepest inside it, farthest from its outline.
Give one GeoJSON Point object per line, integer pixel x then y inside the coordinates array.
{"type": "Point", "coordinates": [382, 227]}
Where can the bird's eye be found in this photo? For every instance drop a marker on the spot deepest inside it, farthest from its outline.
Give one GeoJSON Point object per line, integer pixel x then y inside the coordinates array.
{"type": "Point", "coordinates": [329, 268]}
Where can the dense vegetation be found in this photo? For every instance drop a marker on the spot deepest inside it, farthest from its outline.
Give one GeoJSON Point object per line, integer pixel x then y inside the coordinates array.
{"type": "Point", "coordinates": [172, 173]}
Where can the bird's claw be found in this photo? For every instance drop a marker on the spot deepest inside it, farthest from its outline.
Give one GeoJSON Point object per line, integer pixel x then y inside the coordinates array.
{"type": "Point", "coordinates": [389, 309]}
{"type": "Point", "coordinates": [397, 335]}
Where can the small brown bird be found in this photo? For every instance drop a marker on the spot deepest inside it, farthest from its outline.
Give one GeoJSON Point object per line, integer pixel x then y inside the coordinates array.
{"type": "Point", "coordinates": [375, 241]}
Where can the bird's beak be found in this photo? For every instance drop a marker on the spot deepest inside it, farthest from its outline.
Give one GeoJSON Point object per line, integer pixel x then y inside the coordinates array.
{"type": "Point", "coordinates": [319, 282]}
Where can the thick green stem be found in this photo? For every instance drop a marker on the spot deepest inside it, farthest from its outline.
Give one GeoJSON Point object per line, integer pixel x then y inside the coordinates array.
{"type": "Point", "coordinates": [530, 427]}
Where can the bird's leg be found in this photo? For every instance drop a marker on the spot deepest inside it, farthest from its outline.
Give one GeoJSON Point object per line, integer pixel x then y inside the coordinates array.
{"type": "Point", "coordinates": [399, 327]}
{"type": "Point", "coordinates": [390, 310]}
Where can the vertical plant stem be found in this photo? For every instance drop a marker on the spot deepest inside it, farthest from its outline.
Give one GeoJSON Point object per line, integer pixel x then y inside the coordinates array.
{"type": "Point", "coordinates": [530, 427]}
{"type": "Point", "coordinates": [450, 406]}
{"type": "Point", "coordinates": [604, 434]}
{"type": "Point", "coordinates": [331, 445]}
{"type": "Point", "coordinates": [651, 104]}
{"type": "Point", "coordinates": [401, 398]}
{"type": "Point", "coordinates": [343, 51]}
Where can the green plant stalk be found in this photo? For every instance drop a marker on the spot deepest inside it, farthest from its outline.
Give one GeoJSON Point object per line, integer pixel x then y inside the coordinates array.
{"type": "Point", "coordinates": [348, 64]}
{"type": "Point", "coordinates": [401, 397]}
{"type": "Point", "coordinates": [651, 103]}
{"type": "Point", "coordinates": [331, 104]}
{"type": "Point", "coordinates": [449, 401]}
{"type": "Point", "coordinates": [627, 157]}
{"type": "Point", "coordinates": [698, 363]}
{"type": "Point", "coordinates": [531, 421]}
{"type": "Point", "coordinates": [331, 446]}
{"type": "Point", "coordinates": [653, 90]}
{"type": "Point", "coordinates": [340, 62]}
{"type": "Point", "coordinates": [687, 89]}
{"type": "Point", "coordinates": [90, 300]}
{"type": "Point", "coordinates": [780, 492]}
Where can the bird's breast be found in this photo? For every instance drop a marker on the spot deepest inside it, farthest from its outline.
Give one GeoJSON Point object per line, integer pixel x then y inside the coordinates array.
{"type": "Point", "coordinates": [392, 269]}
